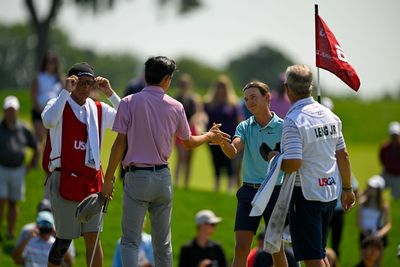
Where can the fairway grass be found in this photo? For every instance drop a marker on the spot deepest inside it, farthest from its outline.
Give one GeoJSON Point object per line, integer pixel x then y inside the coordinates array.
{"type": "Point", "coordinates": [364, 158]}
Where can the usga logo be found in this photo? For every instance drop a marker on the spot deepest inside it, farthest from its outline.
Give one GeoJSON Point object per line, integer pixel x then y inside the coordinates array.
{"type": "Point", "coordinates": [326, 181]}
{"type": "Point", "coordinates": [79, 145]}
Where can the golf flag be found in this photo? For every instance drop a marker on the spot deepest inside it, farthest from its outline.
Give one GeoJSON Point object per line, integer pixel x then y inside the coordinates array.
{"type": "Point", "coordinates": [331, 57]}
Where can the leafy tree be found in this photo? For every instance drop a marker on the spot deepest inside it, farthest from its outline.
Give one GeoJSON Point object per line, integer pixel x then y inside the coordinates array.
{"type": "Point", "coordinates": [16, 60]}
{"type": "Point", "coordinates": [17, 53]}
{"type": "Point", "coordinates": [42, 26]}
{"type": "Point", "coordinates": [263, 63]}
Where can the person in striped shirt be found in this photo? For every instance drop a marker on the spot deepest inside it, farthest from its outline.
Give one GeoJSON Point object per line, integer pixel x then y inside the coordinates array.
{"type": "Point", "coordinates": [313, 146]}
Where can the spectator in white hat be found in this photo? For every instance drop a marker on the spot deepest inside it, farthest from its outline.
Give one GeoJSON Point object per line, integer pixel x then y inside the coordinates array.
{"type": "Point", "coordinates": [201, 251]}
{"type": "Point", "coordinates": [374, 212]}
{"type": "Point", "coordinates": [31, 229]}
{"type": "Point", "coordinates": [15, 137]}
{"type": "Point", "coordinates": [34, 250]}
{"type": "Point", "coordinates": [389, 156]}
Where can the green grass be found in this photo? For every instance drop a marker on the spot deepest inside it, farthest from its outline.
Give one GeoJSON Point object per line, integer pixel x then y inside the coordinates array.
{"type": "Point", "coordinates": [363, 123]}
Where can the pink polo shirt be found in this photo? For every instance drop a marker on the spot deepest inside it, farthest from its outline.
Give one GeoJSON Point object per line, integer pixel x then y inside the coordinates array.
{"type": "Point", "coordinates": [150, 119]}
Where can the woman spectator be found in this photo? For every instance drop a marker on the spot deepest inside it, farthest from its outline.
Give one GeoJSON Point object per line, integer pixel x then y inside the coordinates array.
{"type": "Point", "coordinates": [46, 85]}
{"type": "Point", "coordinates": [222, 106]}
{"type": "Point", "coordinates": [195, 115]}
{"type": "Point", "coordinates": [374, 212]}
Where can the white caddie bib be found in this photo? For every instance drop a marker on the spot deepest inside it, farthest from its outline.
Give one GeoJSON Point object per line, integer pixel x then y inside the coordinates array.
{"type": "Point", "coordinates": [320, 130]}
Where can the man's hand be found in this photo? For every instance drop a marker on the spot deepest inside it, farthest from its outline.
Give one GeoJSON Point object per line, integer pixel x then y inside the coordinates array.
{"type": "Point", "coordinates": [104, 86]}
{"type": "Point", "coordinates": [218, 137]}
{"type": "Point", "coordinates": [348, 199]}
{"type": "Point", "coordinates": [108, 188]}
{"type": "Point", "coordinates": [71, 82]}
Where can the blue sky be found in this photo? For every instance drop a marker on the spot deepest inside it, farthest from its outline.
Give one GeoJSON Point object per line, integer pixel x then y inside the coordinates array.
{"type": "Point", "coordinates": [368, 31]}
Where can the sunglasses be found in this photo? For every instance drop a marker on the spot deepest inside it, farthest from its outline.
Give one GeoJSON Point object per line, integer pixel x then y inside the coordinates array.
{"type": "Point", "coordinates": [86, 83]}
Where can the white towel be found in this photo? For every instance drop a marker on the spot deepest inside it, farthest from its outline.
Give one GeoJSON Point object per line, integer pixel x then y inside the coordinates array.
{"type": "Point", "coordinates": [264, 193]}
{"type": "Point", "coordinates": [273, 234]}
{"type": "Point", "coordinates": [92, 158]}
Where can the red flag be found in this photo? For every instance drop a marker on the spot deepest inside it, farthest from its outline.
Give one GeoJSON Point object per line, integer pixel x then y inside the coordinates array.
{"type": "Point", "coordinates": [330, 56]}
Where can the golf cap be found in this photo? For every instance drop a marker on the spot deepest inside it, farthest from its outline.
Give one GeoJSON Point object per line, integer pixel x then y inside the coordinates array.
{"type": "Point", "coordinates": [377, 182]}
{"type": "Point", "coordinates": [81, 69]}
{"type": "Point", "coordinates": [206, 217]}
{"type": "Point", "coordinates": [394, 128]}
{"type": "Point", "coordinates": [89, 207]}
{"type": "Point", "coordinates": [11, 102]}
{"type": "Point", "coordinates": [44, 205]}
{"type": "Point", "coordinates": [45, 217]}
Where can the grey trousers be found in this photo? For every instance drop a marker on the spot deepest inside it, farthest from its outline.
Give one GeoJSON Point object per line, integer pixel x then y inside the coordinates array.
{"type": "Point", "coordinates": [147, 190]}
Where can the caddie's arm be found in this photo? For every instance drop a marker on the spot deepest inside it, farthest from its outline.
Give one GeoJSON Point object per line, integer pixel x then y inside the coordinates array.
{"type": "Point", "coordinates": [103, 84]}
{"type": "Point", "coordinates": [290, 165]}
{"type": "Point", "coordinates": [348, 197]}
{"type": "Point", "coordinates": [292, 147]}
{"type": "Point", "coordinates": [54, 109]}
{"type": "Point", "coordinates": [117, 152]}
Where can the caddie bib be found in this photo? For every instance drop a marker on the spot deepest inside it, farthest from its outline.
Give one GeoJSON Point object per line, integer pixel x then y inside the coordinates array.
{"type": "Point", "coordinates": [77, 180]}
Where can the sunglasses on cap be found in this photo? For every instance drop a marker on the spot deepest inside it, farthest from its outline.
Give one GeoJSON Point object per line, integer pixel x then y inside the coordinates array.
{"type": "Point", "coordinates": [85, 83]}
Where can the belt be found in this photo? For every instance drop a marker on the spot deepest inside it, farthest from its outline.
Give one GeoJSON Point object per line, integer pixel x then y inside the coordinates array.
{"type": "Point", "coordinates": [58, 169]}
{"type": "Point", "coordinates": [254, 186]}
{"type": "Point", "coordinates": [133, 168]}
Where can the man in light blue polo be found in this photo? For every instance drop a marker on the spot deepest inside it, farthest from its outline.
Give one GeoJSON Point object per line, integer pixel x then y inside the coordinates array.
{"type": "Point", "coordinates": [257, 136]}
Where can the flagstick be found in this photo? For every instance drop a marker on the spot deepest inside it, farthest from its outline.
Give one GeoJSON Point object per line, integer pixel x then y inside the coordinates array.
{"type": "Point", "coordinates": [318, 85]}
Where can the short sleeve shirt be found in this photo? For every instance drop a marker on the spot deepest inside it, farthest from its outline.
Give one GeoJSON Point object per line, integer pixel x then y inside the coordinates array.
{"type": "Point", "coordinates": [13, 143]}
{"type": "Point", "coordinates": [36, 252]}
{"type": "Point", "coordinates": [254, 167]}
{"type": "Point", "coordinates": [150, 119]}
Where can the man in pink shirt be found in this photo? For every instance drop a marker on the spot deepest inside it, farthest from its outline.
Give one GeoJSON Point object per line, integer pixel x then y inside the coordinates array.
{"type": "Point", "coordinates": [146, 123]}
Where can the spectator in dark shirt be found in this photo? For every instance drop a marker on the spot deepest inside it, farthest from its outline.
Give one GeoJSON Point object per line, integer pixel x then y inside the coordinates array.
{"type": "Point", "coordinates": [222, 106]}
{"type": "Point", "coordinates": [258, 257]}
{"type": "Point", "coordinates": [372, 252]}
{"type": "Point", "coordinates": [389, 156]}
{"type": "Point", "coordinates": [15, 137]}
{"type": "Point", "coordinates": [201, 251]}
{"type": "Point", "coordinates": [135, 85]}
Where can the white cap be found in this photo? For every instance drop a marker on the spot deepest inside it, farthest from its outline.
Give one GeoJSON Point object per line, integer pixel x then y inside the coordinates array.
{"type": "Point", "coordinates": [327, 102]}
{"type": "Point", "coordinates": [377, 182]}
{"type": "Point", "coordinates": [207, 217]}
{"type": "Point", "coordinates": [45, 216]}
{"type": "Point", "coordinates": [11, 102]}
{"type": "Point", "coordinates": [394, 128]}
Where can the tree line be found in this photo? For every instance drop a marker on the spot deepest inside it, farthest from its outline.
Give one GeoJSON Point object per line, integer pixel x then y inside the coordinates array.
{"type": "Point", "coordinates": [17, 61]}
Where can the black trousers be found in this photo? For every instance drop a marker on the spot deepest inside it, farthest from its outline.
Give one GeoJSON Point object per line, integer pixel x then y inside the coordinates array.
{"type": "Point", "coordinates": [336, 226]}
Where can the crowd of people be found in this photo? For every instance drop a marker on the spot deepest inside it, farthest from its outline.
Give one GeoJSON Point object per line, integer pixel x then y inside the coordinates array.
{"type": "Point", "coordinates": [280, 132]}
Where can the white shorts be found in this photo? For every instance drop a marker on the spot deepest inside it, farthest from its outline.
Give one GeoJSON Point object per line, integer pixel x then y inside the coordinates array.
{"type": "Point", "coordinates": [12, 183]}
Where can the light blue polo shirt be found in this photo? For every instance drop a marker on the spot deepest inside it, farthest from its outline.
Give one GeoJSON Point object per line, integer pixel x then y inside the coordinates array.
{"type": "Point", "coordinates": [254, 167]}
